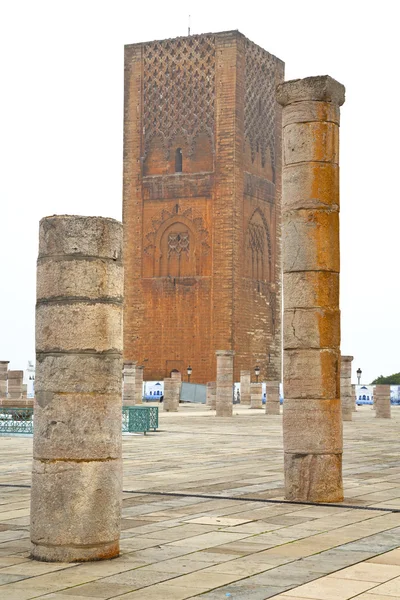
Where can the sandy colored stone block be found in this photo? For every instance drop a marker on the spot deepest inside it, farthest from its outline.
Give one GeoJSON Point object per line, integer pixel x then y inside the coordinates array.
{"type": "Point", "coordinates": [311, 373]}
{"type": "Point", "coordinates": [346, 394]}
{"type": "Point", "coordinates": [313, 477]}
{"type": "Point", "coordinates": [224, 389]}
{"type": "Point", "coordinates": [256, 395]}
{"type": "Point", "coordinates": [309, 289]}
{"type": "Point", "coordinates": [172, 392]}
{"type": "Point", "coordinates": [210, 394]}
{"type": "Point", "coordinates": [313, 426]}
{"type": "Point", "coordinates": [310, 142]}
{"type": "Point", "coordinates": [245, 380]}
{"type": "Point", "coordinates": [311, 241]}
{"type": "Point", "coordinates": [129, 384]}
{"type": "Point", "coordinates": [382, 401]}
{"type": "Point", "coordinates": [309, 111]}
{"type": "Point", "coordinates": [311, 328]}
{"type": "Point", "coordinates": [272, 404]}
{"type": "Point", "coordinates": [139, 372]}
{"type": "Point", "coordinates": [312, 187]}
{"type": "Point", "coordinates": [322, 88]}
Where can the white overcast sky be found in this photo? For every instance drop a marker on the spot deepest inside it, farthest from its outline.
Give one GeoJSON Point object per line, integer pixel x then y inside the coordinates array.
{"type": "Point", "coordinates": [61, 118]}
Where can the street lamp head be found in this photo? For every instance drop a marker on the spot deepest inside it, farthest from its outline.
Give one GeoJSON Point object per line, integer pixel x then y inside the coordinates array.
{"type": "Point", "coordinates": [256, 370]}
{"type": "Point", "coordinates": [359, 372]}
{"type": "Point", "coordinates": [189, 370]}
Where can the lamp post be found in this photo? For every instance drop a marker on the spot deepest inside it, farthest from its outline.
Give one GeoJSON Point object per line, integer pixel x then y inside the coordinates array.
{"type": "Point", "coordinates": [257, 372]}
{"type": "Point", "coordinates": [189, 372]}
{"type": "Point", "coordinates": [359, 375]}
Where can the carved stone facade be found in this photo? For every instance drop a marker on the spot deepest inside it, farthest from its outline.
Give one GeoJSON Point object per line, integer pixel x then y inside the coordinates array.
{"type": "Point", "coordinates": [201, 205]}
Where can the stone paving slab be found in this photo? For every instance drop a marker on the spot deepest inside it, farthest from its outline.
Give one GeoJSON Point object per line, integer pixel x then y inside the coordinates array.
{"type": "Point", "coordinates": [203, 517]}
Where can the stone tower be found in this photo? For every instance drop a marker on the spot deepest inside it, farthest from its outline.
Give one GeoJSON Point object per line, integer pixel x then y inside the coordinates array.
{"type": "Point", "coordinates": [202, 194]}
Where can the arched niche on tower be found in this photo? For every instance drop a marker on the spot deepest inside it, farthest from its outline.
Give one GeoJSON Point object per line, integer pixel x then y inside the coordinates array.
{"type": "Point", "coordinates": [175, 249]}
{"type": "Point", "coordinates": [258, 249]}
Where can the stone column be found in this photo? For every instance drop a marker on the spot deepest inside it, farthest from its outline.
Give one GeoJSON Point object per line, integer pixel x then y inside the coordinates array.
{"type": "Point", "coordinates": [346, 396]}
{"type": "Point", "coordinates": [172, 392]}
{"type": "Point", "coordinates": [15, 384]}
{"type": "Point", "coordinates": [354, 397]}
{"type": "Point", "coordinates": [256, 395]}
{"type": "Point", "coordinates": [138, 398]}
{"type": "Point", "coordinates": [211, 390]}
{"type": "Point", "coordinates": [3, 378]}
{"type": "Point", "coordinates": [272, 404]}
{"type": "Point", "coordinates": [224, 388]}
{"type": "Point", "coordinates": [382, 401]}
{"type": "Point", "coordinates": [312, 421]}
{"type": "Point", "coordinates": [77, 466]}
{"type": "Point", "coordinates": [128, 388]}
{"type": "Point", "coordinates": [245, 379]}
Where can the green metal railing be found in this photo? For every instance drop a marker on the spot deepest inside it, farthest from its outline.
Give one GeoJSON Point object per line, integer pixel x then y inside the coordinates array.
{"type": "Point", "coordinates": [135, 419]}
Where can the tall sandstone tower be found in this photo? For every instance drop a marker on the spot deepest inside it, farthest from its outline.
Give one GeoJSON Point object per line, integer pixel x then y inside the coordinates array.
{"type": "Point", "coordinates": [202, 204]}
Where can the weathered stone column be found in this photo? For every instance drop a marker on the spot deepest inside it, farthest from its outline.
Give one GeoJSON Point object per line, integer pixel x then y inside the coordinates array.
{"type": "Point", "coordinates": [312, 421]}
{"type": "Point", "coordinates": [272, 403]}
{"type": "Point", "coordinates": [256, 395]}
{"type": "Point", "coordinates": [3, 378]}
{"type": "Point", "coordinates": [245, 380]}
{"type": "Point", "coordinates": [354, 396]}
{"type": "Point", "coordinates": [346, 396]}
{"type": "Point", "coordinates": [15, 383]}
{"type": "Point", "coordinates": [172, 392]}
{"type": "Point", "coordinates": [382, 402]}
{"type": "Point", "coordinates": [77, 467]}
{"type": "Point", "coordinates": [129, 385]}
{"type": "Point", "coordinates": [138, 399]}
{"type": "Point", "coordinates": [224, 389]}
{"type": "Point", "coordinates": [210, 398]}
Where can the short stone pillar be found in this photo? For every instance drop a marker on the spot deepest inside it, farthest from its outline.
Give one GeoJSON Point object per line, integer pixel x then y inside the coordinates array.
{"type": "Point", "coordinates": [245, 380]}
{"type": "Point", "coordinates": [382, 402]}
{"type": "Point", "coordinates": [272, 402]}
{"type": "Point", "coordinates": [3, 378]}
{"type": "Point", "coordinates": [77, 466]}
{"type": "Point", "coordinates": [210, 397]}
{"type": "Point", "coordinates": [172, 392]}
{"type": "Point", "coordinates": [138, 399]}
{"type": "Point", "coordinates": [129, 384]}
{"type": "Point", "coordinates": [256, 395]}
{"type": "Point", "coordinates": [224, 389]}
{"type": "Point", "coordinates": [354, 396]}
{"type": "Point", "coordinates": [312, 420]}
{"type": "Point", "coordinates": [15, 384]}
{"type": "Point", "coordinates": [346, 396]}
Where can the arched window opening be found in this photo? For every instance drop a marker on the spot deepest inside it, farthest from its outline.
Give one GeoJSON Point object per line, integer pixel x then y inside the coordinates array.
{"type": "Point", "coordinates": [178, 160]}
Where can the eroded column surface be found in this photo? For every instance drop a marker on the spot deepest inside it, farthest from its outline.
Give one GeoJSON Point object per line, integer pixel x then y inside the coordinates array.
{"type": "Point", "coordinates": [312, 421]}
{"type": "Point", "coordinates": [210, 397]}
{"type": "Point", "coordinates": [272, 403]}
{"type": "Point", "coordinates": [354, 396]}
{"type": "Point", "coordinates": [172, 392]}
{"type": "Point", "coordinates": [256, 395]}
{"type": "Point", "coordinates": [139, 384]}
{"type": "Point", "coordinates": [77, 467]}
{"type": "Point", "coordinates": [3, 378]}
{"type": "Point", "coordinates": [346, 394]}
{"type": "Point", "coordinates": [245, 380]}
{"type": "Point", "coordinates": [129, 384]}
{"type": "Point", "coordinates": [382, 402]}
{"type": "Point", "coordinates": [15, 384]}
{"type": "Point", "coordinates": [224, 389]}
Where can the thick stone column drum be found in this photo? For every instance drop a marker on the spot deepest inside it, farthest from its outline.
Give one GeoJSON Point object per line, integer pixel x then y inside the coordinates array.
{"type": "Point", "coordinates": [77, 467]}
{"type": "Point", "coordinates": [3, 378]}
{"type": "Point", "coordinates": [15, 384]}
{"type": "Point", "coordinates": [224, 388]}
{"type": "Point", "coordinates": [312, 420]}
{"type": "Point", "coordinates": [256, 395]}
{"type": "Point", "coordinates": [382, 401]}
{"type": "Point", "coordinates": [210, 394]}
{"type": "Point", "coordinates": [139, 384]}
{"type": "Point", "coordinates": [129, 384]}
{"type": "Point", "coordinates": [272, 404]}
{"type": "Point", "coordinates": [172, 392]}
{"type": "Point", "coordinates": [346, 394]}
{"type": "Point", "coordinates": [245, 380]}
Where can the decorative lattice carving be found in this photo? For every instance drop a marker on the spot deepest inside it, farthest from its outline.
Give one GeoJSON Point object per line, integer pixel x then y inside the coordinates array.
{"type": "Point", "coordinates": [179, 90]}
{"type": "Point", "coordinates": [178, 243]}
{"type": "Point", "coordinates": [259, 107]}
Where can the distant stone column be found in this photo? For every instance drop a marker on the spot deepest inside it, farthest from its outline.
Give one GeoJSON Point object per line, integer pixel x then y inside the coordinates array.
{"type": "Point", "coordinates": [77, 466]}
{"type": "Point", "coordinates": [382, 402]}
{"type": "Point", "coordinates": [224, 389]}
{"type": "Point", "coordinates": [272, 403]}
{"type": "Point", "coordinates": [172, 392]}
{"type": "Point", "coordinates": [129, 384]}
{"type": "Point", "coordinates": [15, 384]}
{"type": "Point", "coordinates": [256, 395]}
{"type": "Point", "coordinates": [245, 380]}
{"type": "Point", "coordinates": [138, 399]}
{"type": "Point", "coordinates": [3, 378]}
{"type": "Point", "coordinates": [346, 396]}
{"type": "Point", "coordinates": [210, 398]}
{"type": "Point", "coordinates": [312, 422]}
{"type": "Point", "coordinates": [354, 396]}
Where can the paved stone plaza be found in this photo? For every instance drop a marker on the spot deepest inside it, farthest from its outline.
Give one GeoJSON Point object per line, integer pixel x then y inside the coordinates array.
{"type": "Point", "coordinates": [202, 518]}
